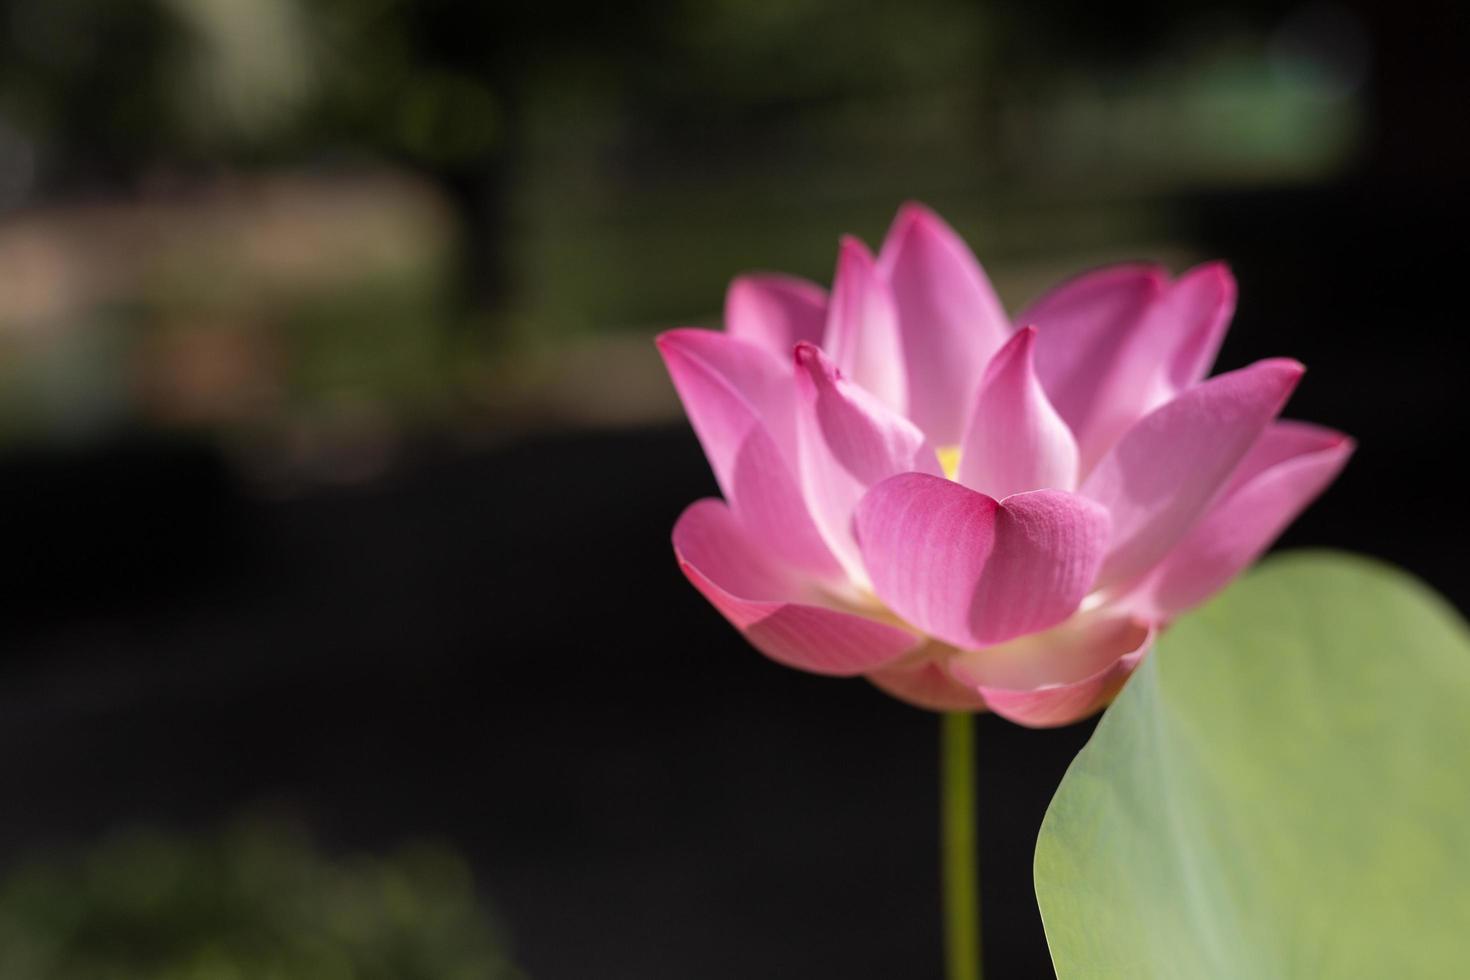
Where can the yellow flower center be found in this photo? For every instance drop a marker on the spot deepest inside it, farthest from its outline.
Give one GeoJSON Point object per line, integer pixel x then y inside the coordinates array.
{"type": "Point", "coordinates": [949, 460]}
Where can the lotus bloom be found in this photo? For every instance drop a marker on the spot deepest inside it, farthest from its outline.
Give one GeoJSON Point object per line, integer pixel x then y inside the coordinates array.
{"type": "Point", "coordinates": [970, 511]}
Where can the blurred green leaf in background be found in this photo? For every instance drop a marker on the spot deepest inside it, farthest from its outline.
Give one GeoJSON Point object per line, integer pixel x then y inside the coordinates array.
{"type": "Point", "coordinates": [256, 902]}
{"type": "Point", "coordinates": [1280, 791]}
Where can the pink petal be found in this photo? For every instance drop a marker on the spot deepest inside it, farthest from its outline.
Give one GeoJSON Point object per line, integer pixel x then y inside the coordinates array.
{"type": "Point", "coordinates": [1289, 466]}
{"type": "Point", "coordinates": [922, 680]}
{"type": "Point", "coordinates": [775, 312]}
{"type": "Point", "coordinates": [697, 359]}
{"type": "Point", "coordinates": [1016, 441]}
{"type": "Point", "coordinates": [849, 441]}
{"type": "Point", "coordinates": [1084, 326]}
{"type": "Point", "coordinates": [948, 317]}
{"type": "Point", "coordinates": [1191, 320]}
{"type": "Point", "coordinates": [786, 619]}
{"type": "Point", "coordinates": [862, 327]}
{"type": "Point", "coordinates": [1116, 343]}
{"type": "Point", "coordinates": [1172, 463]}
{"type": "Point", "coordinates": [973, 571]}
{"type": "Point", "coordinates": [1060, 676]}
{"type": "Point", "coordinates": [740, 402]}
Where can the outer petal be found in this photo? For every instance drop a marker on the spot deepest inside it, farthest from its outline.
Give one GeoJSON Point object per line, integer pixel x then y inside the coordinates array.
{"type": "Point", "coordinates": [742, 408]}
{"type": "Point", "coordinates": [1060, 676]}
{"type": "Point", "coordinates": [922, 680]}
{"type": "Point", "coordinates": [862, 327]}
{"type": "Point", "coordinates": [775, 312]}
{"type": "Point", "coordinates": [1015, 440]}
{"type": "Point", "coordinates": [705, 363]}
{"type": "Point", "coordinates": [973, 571]}
{"type": "Point", "coordinates": [949, 318]}
{"type": "Point", "coordinates": [1117, 343]}
{"type": "Point", "coordinates": [1289, 466]}
{"type": "Point", "coordinates": [780, 616]}
{"type": "Point", "coordinates": [1169, 466]}
{"type": "Point", "coordinates": [848, 442]}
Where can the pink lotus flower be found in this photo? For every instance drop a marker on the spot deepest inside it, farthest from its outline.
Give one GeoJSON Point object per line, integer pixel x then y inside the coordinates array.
{"type": "Point", "coordinates": [969, 514]}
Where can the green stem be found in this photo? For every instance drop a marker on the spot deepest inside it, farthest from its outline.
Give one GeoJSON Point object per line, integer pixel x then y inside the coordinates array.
{"type": "Point", "coordinates": [960, 866]}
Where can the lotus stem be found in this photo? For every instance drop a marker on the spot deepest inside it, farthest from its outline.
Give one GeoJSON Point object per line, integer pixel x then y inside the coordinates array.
{"type": "Point", "coordinates": [960, 866]}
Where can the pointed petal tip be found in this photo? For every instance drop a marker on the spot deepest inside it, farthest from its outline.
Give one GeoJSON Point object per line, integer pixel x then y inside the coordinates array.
{"type": "Point", "coordinates": [852, 249]}
{"type": "Point", "coordinates": [676, 347]}
{"type": "Point", "coordinates": [912, 213]}
{"type": "Point", "coordinates": [1339, 444]}
{"type": "Point", "coordinates": [676, 338]}
{"type": "Point", "coordinates": [1333, 441]}
{"type": "Point", "coordinates": [916, 218]}
{"type": "Point", "coordinates": [1282, 373]}
{"type": "Point", "coordinates": [1312, 437]}
{"type": "Point", "coordinates": [1020, 345]}
{"type": "Point", "coordinates": [1287, 369]}
{"type": "Point", "coordinates": [1219, 268]}
{"type": "Point", "coordinates": [1218, 280]}
{"type": "Point", "coordinates": [1017, 354]}
{"type": "Point", "coordinates": [913, 209]}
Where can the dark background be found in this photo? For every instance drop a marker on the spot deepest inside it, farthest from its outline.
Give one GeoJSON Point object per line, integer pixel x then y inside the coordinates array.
{"type": "Point", "coordinates": [337, 468]}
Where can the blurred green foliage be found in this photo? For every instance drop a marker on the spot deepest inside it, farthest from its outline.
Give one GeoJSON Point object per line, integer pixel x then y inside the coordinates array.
{"type": "Point", "coordinates": [570, 169]}
{"type": "Point", "coordinates": [257, 902]}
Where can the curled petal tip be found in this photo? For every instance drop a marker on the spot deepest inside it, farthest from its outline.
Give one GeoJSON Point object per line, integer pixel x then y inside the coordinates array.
{"type": "Point", "coordinates": [806, 354]}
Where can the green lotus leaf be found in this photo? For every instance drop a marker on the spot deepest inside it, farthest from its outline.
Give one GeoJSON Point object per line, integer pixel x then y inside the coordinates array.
{"type": "Point", "coordinates": [1282, 790]}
